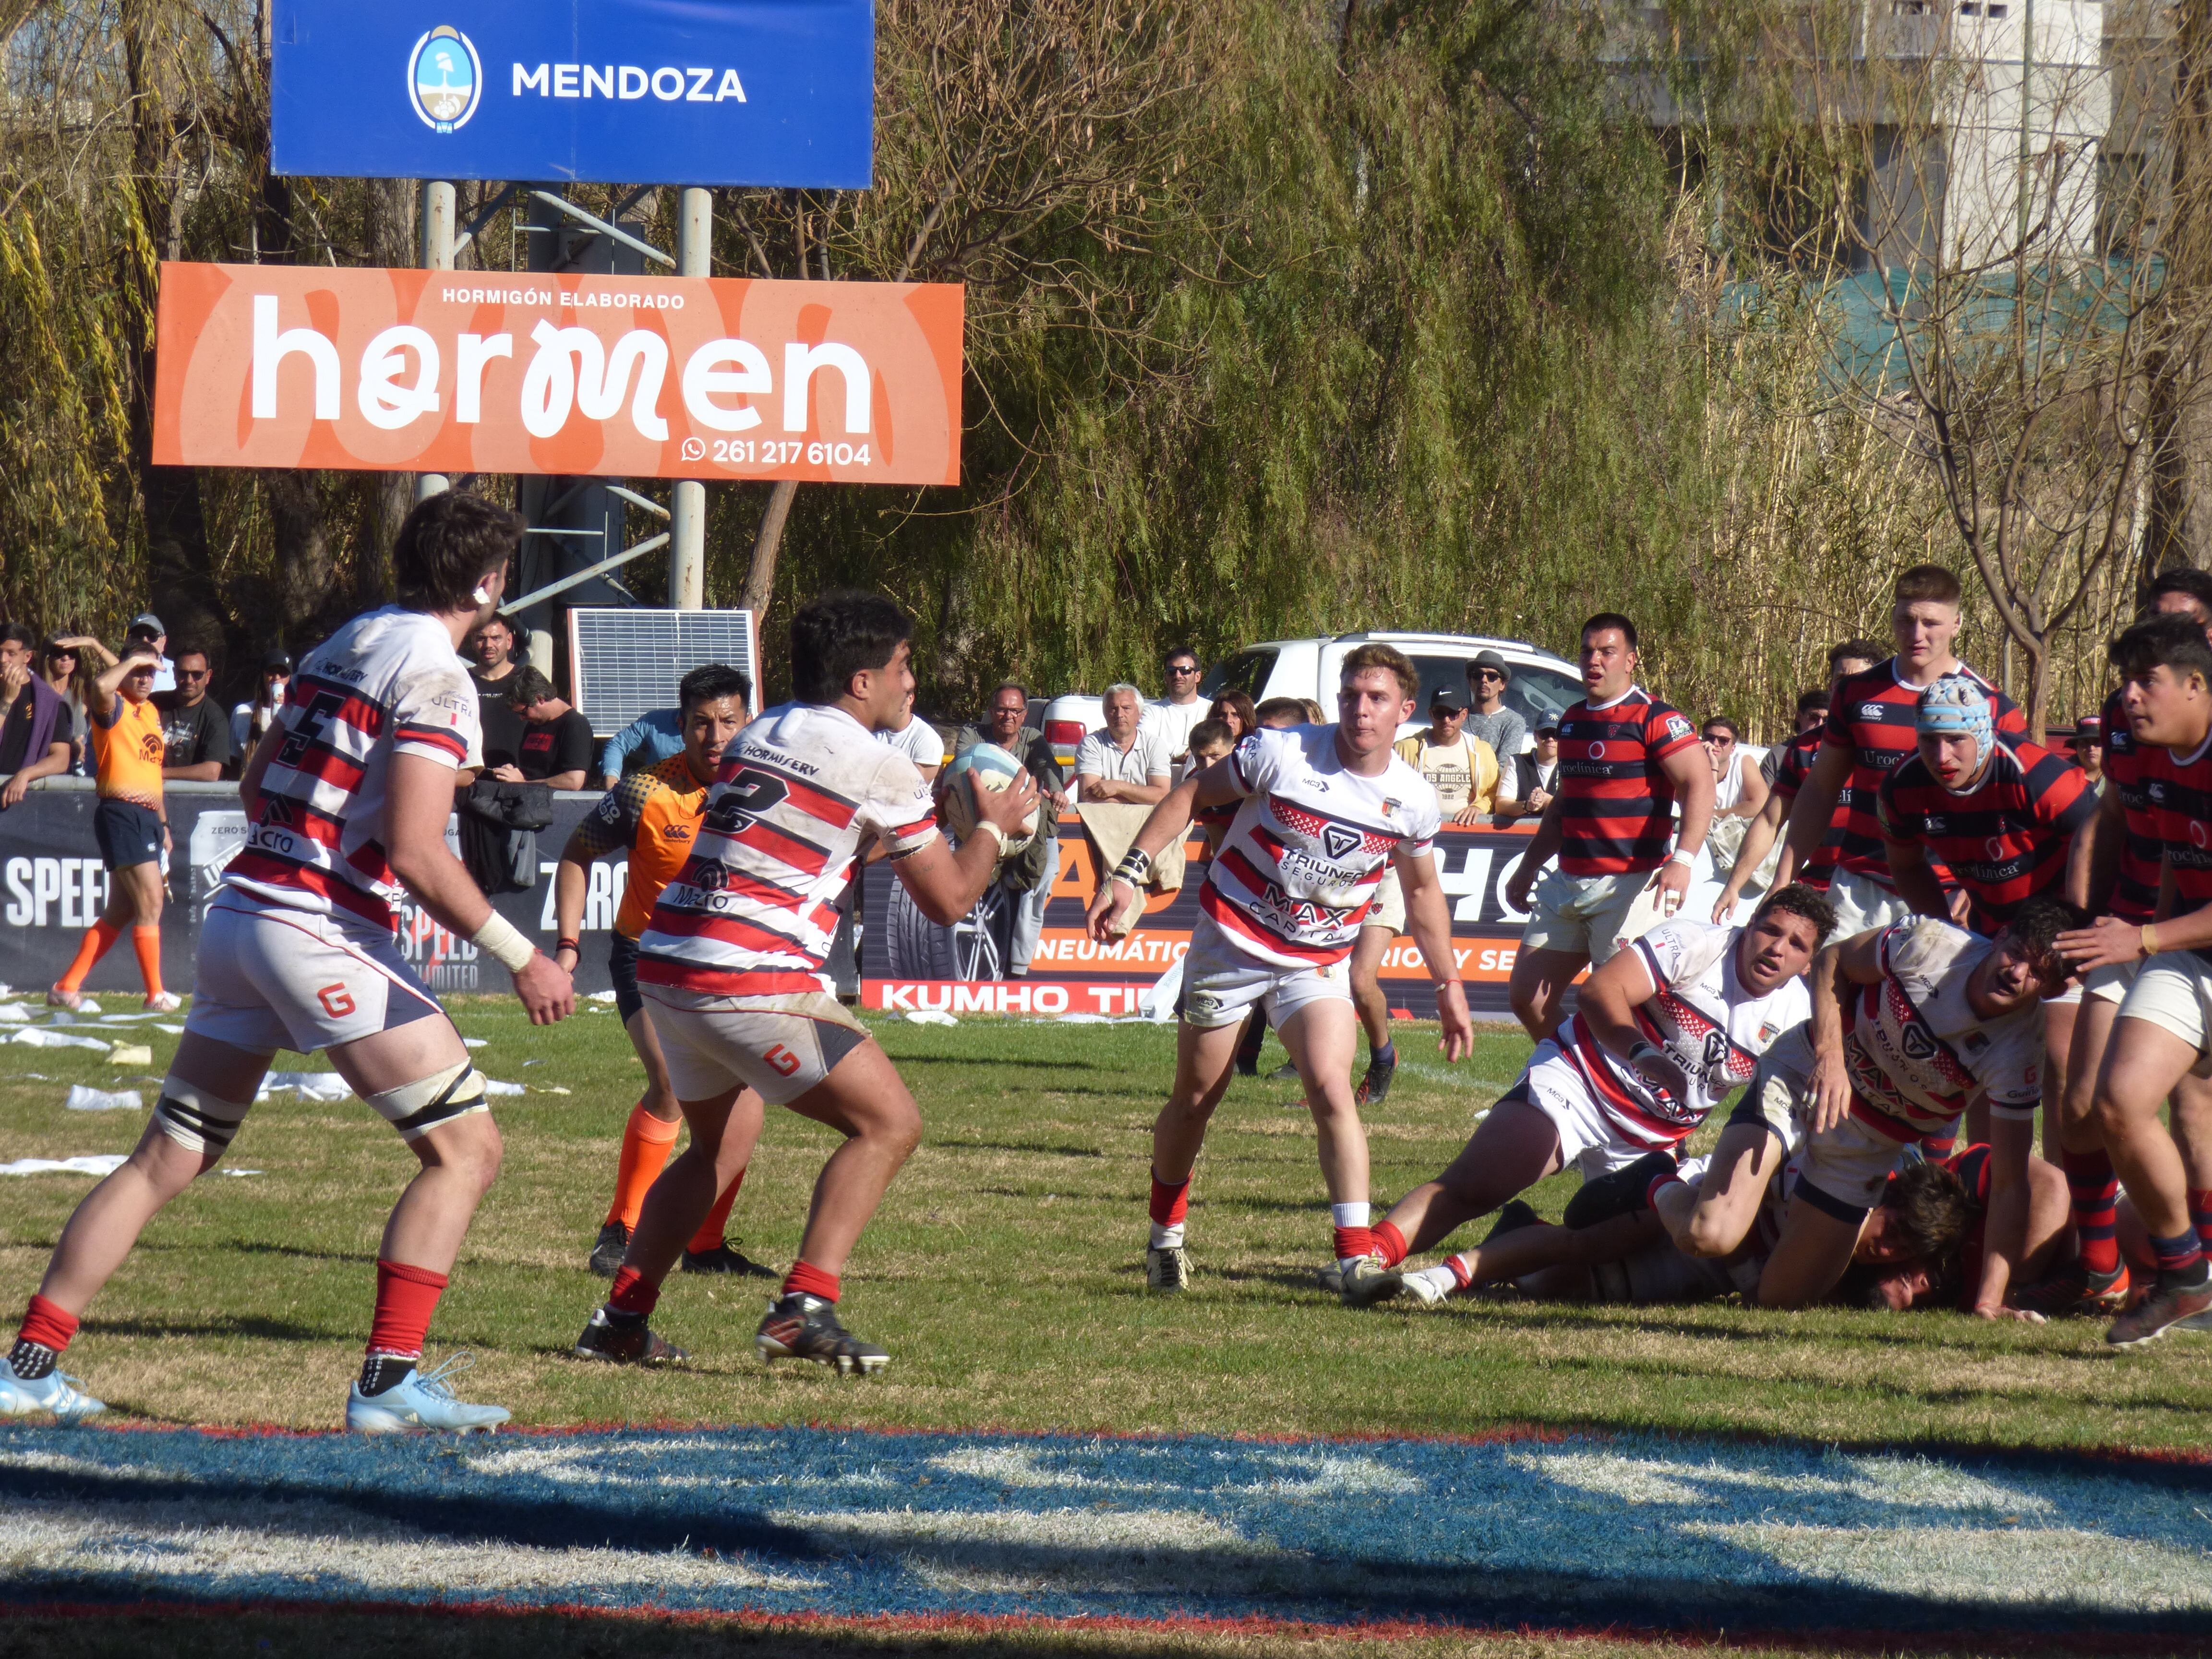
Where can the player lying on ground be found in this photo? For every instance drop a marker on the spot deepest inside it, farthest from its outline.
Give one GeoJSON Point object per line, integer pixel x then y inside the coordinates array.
{"type": "Point", "coordinates": [1668, 1029]}
{"type": "Point", "coordinates": [1323, 810]}
{"type": "Point", "coordinates": [2162, 1030]}
{"type": "Point", "coordinates": [2126, 865]}
{"type": "Point", "coordinates": [731, 964]}
{"type": "Point", "coordinates": [348, 793]}
{"type": "Point", "coordinates": [1611, 1245]}
{"type": "Point", "coordinates": [652, 816]}
{"type": "Point", "coordinates": [1912, 1023]}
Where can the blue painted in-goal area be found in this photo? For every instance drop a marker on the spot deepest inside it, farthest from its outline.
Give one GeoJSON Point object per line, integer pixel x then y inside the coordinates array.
{"type": "Point", "coordinates": [1573, 1532]}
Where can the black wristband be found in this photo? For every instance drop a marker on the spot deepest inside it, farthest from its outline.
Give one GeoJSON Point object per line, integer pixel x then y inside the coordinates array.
{"type": "Point", "coordinates": [567, 945]}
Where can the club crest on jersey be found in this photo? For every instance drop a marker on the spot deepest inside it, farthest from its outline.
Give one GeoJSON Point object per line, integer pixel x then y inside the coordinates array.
{"type": "Point", "coordinates": [1338, 840]}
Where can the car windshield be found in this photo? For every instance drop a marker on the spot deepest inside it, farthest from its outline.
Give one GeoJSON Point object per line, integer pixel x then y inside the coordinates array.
{"type": "Point", "coordinates": [1541, 695]}
{"type": "Point", "coordinates": [1246, 671]}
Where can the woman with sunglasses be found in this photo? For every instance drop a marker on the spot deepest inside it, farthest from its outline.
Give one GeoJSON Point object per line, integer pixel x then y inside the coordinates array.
{"type": "Point", "coordinates": [61, 665]}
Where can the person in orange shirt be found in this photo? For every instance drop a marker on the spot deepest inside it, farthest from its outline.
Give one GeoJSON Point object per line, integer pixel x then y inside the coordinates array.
{"type": "Point", "coordinates": [132, 828]}
{"type": "Point", "coordinates": [653, 815]}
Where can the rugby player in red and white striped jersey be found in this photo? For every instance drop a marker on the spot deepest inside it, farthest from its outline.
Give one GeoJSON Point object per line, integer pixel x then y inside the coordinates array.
{"type": "Point", "coordinates": [731, 962]}
{"type": "Point", "coordinates": [1626, 759]}
{"type": "Point", "coordinates": [1321, 810]}
{"type": "Point", "coordinates": [348, 796]}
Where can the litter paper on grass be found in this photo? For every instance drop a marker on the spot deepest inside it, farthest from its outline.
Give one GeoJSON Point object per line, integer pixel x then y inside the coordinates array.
{"type": "Point", "coordinates": [102, 1164]}
{"type": "Point", "coordinates": [83, 1099]}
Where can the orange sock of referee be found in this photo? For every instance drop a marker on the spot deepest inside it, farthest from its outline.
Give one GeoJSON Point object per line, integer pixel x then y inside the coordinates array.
{"type": "Point", "coordinates": [147, 942]}
{"type": "Point", "coordinates": [99, 940]}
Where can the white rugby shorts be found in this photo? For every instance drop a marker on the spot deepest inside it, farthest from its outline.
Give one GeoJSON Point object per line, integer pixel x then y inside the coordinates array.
{"type": "Point", "coordinates": [2111, 983]}
{"type": "Point", "coordinates": [267, 977]}
{"type": "Point", "coordinates": [1847, 1166]}
{"type": "Point", "coordinates": [1589, 1141]}
{"type": "Point", "coordinates": [1780, 1097]}
{"type": "Point", "coordinates": [1220, 982]}
{"type": "Point", "coordinates": [1389, 910]}
{"type": "Point", "coordinates": [778, 1046]}
{"type": "Point", "coordinates": [2173, 989]}
{"type": "Point", "coordinates": [1862, 903]}
{"type": "Point", "coordinates": [1581, 914]}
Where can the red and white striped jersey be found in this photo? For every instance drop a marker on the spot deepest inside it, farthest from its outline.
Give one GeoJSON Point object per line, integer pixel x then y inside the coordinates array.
{"type": "Point", "coordinates": [1298, 870]}
{"type": "Point", "coordinates": [1702, 1015]}
{"type": "Point", "coordinates": [1916, 1051]}
{"type": "Point", "coordinates": [388, 683]}
{"type": "Point", "coordinates": [754, 908]}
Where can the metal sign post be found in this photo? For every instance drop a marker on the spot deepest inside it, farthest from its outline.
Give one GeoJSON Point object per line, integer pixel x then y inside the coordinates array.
{"type": "Point", "coordinates": [687, 562]}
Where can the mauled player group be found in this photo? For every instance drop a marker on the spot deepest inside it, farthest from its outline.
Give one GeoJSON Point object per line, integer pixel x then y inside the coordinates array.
{"type": "Point", "coordinates": [1959, 931]}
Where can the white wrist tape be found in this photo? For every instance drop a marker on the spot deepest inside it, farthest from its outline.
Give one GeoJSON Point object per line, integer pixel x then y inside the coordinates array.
{"type": "Point", "coordinates": [502, 941]}
{"type": "Point", "coordinates": [985, 826]}
{"type": "Point", "coordinates": [1686, 858]}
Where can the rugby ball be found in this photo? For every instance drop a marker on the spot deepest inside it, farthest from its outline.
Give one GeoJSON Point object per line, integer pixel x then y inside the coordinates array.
{"type": "Point", "coordinates": [995, 769]}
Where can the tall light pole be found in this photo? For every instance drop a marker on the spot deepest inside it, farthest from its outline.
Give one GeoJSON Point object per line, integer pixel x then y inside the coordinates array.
{"type": "Point", "coordinates": [687, 553]}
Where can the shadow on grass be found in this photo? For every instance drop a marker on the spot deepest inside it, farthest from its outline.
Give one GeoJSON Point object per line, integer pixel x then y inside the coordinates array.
{"type": "Point", "coordinates": [1017, 1147]}
{"type": "Point", "coordinates": [247, 1325]}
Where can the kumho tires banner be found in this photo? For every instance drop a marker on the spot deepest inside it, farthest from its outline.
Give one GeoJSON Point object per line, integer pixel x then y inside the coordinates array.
{"type": "Point", "coordinates": [427, 371]}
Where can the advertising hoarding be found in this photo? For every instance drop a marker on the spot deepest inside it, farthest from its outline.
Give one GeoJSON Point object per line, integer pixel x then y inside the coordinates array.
{"type": "Point", "coordinates": [669, 92]}
{"type": "Point", "coordinates": [457, 371]}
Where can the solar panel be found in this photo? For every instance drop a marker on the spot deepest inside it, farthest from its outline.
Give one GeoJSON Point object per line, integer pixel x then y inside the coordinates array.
{"type": "Point", "coordinates": [627, 661]}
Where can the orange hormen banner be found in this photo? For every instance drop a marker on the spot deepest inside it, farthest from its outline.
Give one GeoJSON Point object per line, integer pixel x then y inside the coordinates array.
{"type": "Point", "coordinates": [429, 371]}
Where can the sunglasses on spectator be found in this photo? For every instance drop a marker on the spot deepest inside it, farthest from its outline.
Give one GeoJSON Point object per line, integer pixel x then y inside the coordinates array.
{"type": "Point", "coordinates": [1490, 674]}
{"type": "Point", "coordinates": [1183, 668]}
{"type": "Point", "coordinates": [1718, 739]}
{"type": "Point", "coordinates": [191, 674]}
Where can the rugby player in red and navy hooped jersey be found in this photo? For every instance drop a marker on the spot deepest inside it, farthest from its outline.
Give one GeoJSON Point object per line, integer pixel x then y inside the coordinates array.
{"type": "Point", "coordinates": [732, 960]}
{"type": "Point", "coordinates": [2124, 869]}
{"type": "Point", "coordinates": [1626, 759]}
{"type": "Point", "coordinates": [2002, 814]}
{"type": "Point", "coordinates": [348, 796]}
{"type": "Point", "coordinates": [1321, 810]}
{"type": "Point", "coordinates": [1872, 728]}
{"type": "Point", "coordinates": [2163, 1028]}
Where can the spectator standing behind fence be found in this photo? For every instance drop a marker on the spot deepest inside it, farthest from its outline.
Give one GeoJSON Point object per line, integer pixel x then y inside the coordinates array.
{"type": "Point", "coordinates": [1029, 877]}
{"type": "Point", "coordinates": [36, 732]}
{"type": "Point", "coordinates": [493, 648]}
{"type": "Point", "coordinates": [1536, 775]}
{"type": "Point", "coordinates": [69, 677]}
{"type": "Point", "coordinates": [195, 732]}
{"type": "Point", "coordinates": [147, 629]}
{"type": "Point", "coordinates": [1739, 790]}
{"type": "Point", "coordinates": [654, 737]}
{"type": "Point", "coordinates": [249, 721]}
{"type": "Point", "coordinates": [2088, 746]}
{"type": "Point", "coordinates": [917, 740]}
{"type": "Point", "coordinates": [1123, 761]}
{"type": "Point", "coordinates": [556, 741]}
{"type": "Point", "coordinates": [1181, 709]}
{"type": "Point", "coordinates": [1490, 719]}
{"type": "Point", "coordinates": [129, 822]}
{"type": "Point", "coordinates": [1234, 709]}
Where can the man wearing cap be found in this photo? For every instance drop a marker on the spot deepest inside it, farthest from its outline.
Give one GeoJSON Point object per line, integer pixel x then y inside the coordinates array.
{"type": "Point", "coordinates": [1489, 719]}
{"type": "Point", "coordinates": [2088, 746]}
{"type": "Point", "coordinates": [147, 628]}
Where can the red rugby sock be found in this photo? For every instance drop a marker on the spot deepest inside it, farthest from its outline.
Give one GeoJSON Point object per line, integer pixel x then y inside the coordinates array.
{"type": "Point", "coordinates": [1389, 1244]}
{"type": "Point", "coordinates": [406, 1297]}
{"type": "Point", "coordinates": [1353, 1241]}
{"type": "Point", "coordinates": [2096, 1193]}
{"type": "Point", "coordinates": [709, 1236]}
{"type": "Point", "coordinates": [2200, 1213]}
{"type": "Point", "coordinates": [48, 1325]}
{"type": "Point", "coordinates": [632, 1294]}
{"type": "Point", "coordinates": [807, 1279]}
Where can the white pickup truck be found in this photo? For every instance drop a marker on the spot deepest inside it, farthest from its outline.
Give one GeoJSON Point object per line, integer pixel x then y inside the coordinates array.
{"type": "Point", "coordinates": [1543, 685]}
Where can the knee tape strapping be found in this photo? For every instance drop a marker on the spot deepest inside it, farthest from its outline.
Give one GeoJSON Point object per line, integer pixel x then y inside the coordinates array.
{"type": "Point", "coordinates": [197, 1118]}
{"type": "Point", "coordinates": [415, 1109]}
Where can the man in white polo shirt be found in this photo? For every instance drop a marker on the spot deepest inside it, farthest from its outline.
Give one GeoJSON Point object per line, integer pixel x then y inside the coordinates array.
{"type": "Point", "coordinates": [1126, 760]}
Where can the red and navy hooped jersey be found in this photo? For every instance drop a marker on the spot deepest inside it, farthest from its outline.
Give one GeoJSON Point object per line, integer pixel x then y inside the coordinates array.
{"type": "Point", "coordinates": [1789, 776]}
{"type": "Point", "coordinates": [386, 684]}
{"type": "Point", "coordinates": [1876, 715]}
{"type": "Point", "coordinates": [2006, 839]}
{"type": "Point", "coordinates": [1296, 873]}
{"type": "Point", "coordinates": [2180, 791]}
{"type": "Point", "coordinates": [2134, 894]}
{"type": "Point", "coordinates": [1616, 802]}
{"type": "Point", "coordinates": [754, 908]}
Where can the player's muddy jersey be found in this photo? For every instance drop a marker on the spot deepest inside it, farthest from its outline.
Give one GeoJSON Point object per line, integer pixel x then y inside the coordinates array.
{"type": "Point", "coordinates": [1876, 715]}
{"type": "Point", "coordinates": [754, 908]}
{"type": "Point", "coordinates": [1915, 1051]}
{"type": "Point", "coordinates": [1789, 774]}
{"type": "Point", "coordinates": [2134, 894]}
{"type": "Point", "coordinates": [2180, 791]}
{"type": "Point", "coordinates": [1709, 1024]}
{"type": "Point", "coordinates": [1616, 801]}
{"type": "Point", "coordinates": [653, 815]}
{"type": "Point", "coordinates": [1296, 873]}
{"type": "Point", "coordinates": [2006, 839]}
{"type": "Point", "coordinates": [386, 684]}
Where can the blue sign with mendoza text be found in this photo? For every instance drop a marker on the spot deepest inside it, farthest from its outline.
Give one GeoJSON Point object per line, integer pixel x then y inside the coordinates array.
{"type": "Point", "coordinates": [665, 92]}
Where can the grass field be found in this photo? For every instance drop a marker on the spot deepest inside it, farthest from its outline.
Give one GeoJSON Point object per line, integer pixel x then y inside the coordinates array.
{"type": "Point", "coordinates": [1004, 1274]}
